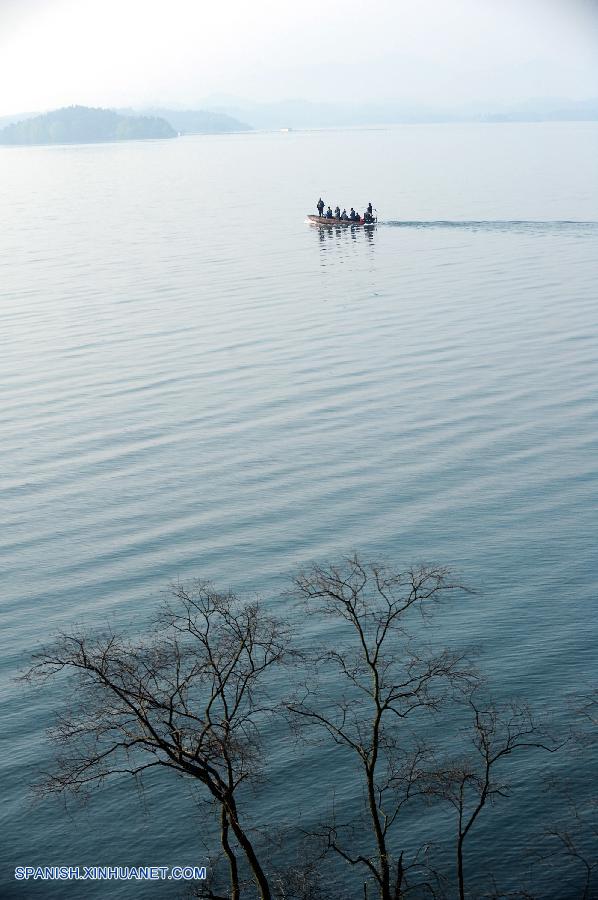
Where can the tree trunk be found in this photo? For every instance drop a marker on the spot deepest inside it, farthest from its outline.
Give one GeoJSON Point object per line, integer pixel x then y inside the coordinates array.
{"type": "Point", "coordinates": [460, 873]}
{"type": "Point", "coordinates": [380, 841]}
{"type": "Point", "coordinates": [399, 881]}
{"type": "Point", "coordinates": [235, 888]}
{"type": "Point", "coordinates": [247, 847]}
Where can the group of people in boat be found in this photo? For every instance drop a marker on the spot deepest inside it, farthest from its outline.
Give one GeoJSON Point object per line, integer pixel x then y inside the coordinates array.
{"type": "Point", "coordinates": [345, 216]}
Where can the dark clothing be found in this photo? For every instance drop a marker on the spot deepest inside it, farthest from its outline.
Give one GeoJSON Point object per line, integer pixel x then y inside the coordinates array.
{"type": "Point", "coordinates": [320, 207]}
{"type": "Point", "coordinates": [337, 212]}
{"type": "Point", "coordinates": [353, 215]}
{"type": "Point", "coordinates": [344, 215]}
{"type": "Point", "coordinates": [329, 213]}
{"type": "Point", "coordinates": [370, 210]}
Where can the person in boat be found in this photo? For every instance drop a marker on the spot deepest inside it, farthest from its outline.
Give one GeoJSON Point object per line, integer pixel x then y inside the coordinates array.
{"type": "Point", "coordinates": [367, 217]}
{"type": "Point", "coordinates": [320, 207]}
{"type": "Point", "coordinates": [357, 218]}
{"type": "Point", "coordinates": [337, 212]}
{"type": "Point", "coordinates": [329, 214]}
{"type": "Point", "coordinates": [344, 215]}
{"type": "Point", "coordinates": [353, 215]}
{"type": "Point", "coordinates": [370, 210]}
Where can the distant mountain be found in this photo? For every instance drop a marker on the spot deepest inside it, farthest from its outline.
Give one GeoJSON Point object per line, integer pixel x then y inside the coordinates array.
{"type": "Point", "coordinates": [83, 125]}
{"type": "Point", "coordinates": [79, 124]}
{"type": "Point", "coordinates": [545, 110]}
{"type": "Point", "coordinates": [305, 114]}
{"type": "Point", "coordinates": [198, 121]}
{"type": "Point", "coordinates": [17, 117]}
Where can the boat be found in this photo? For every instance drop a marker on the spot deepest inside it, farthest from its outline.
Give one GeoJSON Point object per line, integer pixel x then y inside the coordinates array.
{"type": "Point", "coordinates": [322, 220]}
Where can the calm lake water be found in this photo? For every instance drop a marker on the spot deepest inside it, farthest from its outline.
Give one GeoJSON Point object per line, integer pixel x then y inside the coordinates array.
{"type": "Point", "coordinates": [197, 383]}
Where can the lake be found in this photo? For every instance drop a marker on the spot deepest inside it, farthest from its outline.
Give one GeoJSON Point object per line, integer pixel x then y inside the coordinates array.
{"type": "Point", "coordinates": [195, 382]}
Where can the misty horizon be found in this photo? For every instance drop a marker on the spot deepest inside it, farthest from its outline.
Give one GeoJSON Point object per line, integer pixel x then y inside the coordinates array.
{"type": "Point", "coordinates": [462, 55]}
{"type": "Point", "coordinates": [300, 113]}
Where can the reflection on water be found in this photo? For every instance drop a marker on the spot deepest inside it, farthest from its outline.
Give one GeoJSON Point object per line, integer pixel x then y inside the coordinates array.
{"type": "Point", "coordinates": [339, 236]}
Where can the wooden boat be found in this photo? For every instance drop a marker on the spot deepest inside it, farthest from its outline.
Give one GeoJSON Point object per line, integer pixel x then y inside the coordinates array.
{"type": "Point", "coordinates": [322, 220]}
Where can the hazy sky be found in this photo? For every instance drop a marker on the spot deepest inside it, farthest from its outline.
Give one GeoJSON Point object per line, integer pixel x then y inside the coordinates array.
{"type": "Point", "coordinates": [437, 52]}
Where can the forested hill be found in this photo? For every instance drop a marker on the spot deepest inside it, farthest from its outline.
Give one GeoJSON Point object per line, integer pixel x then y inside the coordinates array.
{"type": "Point", "coordinates": [199, 121]}
{"type": "Point", "coordinates": [82, 125]}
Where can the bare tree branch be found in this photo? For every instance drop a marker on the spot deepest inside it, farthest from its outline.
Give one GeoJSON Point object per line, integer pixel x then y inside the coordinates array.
{"type": "Point", "coordinates": [470, 783]}
{"type": "Point", "coordinates": [380, 679]}
{"type": "Point", "coordinates": [192, 700]}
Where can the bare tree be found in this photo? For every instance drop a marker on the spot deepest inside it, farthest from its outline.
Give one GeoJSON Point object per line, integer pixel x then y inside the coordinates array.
{"type": "Point", "coordinates": [198, 697]}
{"type": "Point", "coordinates": [571, 840]}
{"type": "Point", "coordinates": [371, 684]}
{"type": "Point", "coordinates": [576, 840]}
{"type": "Point", "coordinates": [471, 783]}
{"type": "Point", "coordinates": [191, 700]}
